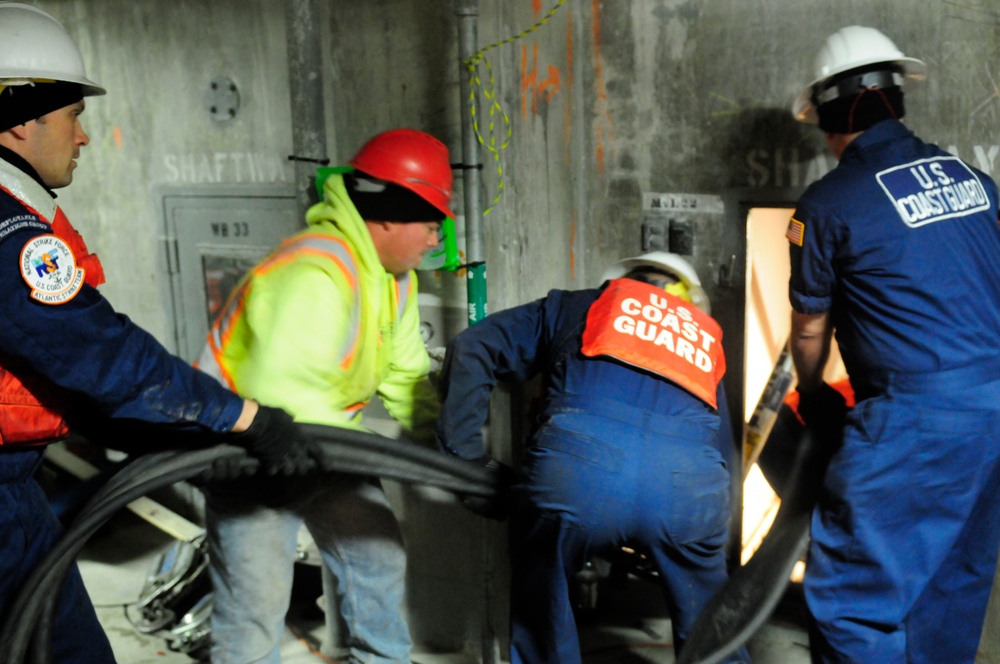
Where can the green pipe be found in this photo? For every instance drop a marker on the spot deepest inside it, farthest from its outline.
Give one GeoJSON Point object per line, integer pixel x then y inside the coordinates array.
{"type": "Point", "coordinates": [476, 288]}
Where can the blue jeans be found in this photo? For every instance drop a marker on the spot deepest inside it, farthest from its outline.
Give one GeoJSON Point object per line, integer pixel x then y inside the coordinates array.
{"type": "Point", "coordinates": [28, 531]}
{"type": "Point", "coordinates": [252, 555]}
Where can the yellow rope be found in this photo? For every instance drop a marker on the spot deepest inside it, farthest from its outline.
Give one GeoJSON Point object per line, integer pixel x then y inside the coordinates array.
{"type": "Point", "coordinates": [490, 97]}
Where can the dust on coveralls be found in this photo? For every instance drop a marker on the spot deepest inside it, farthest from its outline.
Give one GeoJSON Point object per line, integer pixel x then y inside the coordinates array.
{"type": "Point", "coordinates": [621, 455]}
{"type": "Point", "coordinates": [900, 243]}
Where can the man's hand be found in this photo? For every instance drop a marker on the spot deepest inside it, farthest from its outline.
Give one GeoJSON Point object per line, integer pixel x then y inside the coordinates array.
{"type": "Point", "coordinates": [277, 442]}
{"type": "Point", "coordinates": [492, 507]}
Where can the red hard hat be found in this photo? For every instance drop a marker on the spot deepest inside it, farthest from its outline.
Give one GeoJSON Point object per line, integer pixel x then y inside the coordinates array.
{"type": "Point", "coordinates": [411, 159]}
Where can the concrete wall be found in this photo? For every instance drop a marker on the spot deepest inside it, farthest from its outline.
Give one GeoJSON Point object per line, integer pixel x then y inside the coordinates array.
{"type": "Point", "coordinates": [607, 100]}
{"type": "Point", "coordinates": [157, 62]}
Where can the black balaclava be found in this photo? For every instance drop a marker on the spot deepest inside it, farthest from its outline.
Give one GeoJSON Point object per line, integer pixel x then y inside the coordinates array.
{"type": "Point", "coordinates": [379, 200]}
{"type": "Point", "coordinates": [861, 98]}
{"type": "Point", "coordinates": [23, 103]}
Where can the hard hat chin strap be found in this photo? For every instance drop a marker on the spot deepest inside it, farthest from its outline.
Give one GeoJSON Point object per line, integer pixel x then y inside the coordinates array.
{"type": "Point", "coordinates": [857, 100]}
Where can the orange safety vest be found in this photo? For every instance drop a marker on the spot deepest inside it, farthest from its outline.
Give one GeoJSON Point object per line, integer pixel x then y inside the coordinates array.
{"type": "Point", "coordinates": [643, 326]}
{"type": "Point", "coordinates": [35, 415]}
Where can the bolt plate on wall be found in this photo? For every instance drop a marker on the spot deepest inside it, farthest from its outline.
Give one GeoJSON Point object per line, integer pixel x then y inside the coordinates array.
{"type": "Point", "coordinates": [222, 99]}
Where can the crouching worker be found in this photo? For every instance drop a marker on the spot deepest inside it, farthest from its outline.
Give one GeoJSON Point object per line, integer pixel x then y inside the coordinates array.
{"type": "Point", "coordinates": [321, 326]}
{"type": "Point", "coordinates": [633, 446]}
{"type": "Point", "coordinates": [66, 356]}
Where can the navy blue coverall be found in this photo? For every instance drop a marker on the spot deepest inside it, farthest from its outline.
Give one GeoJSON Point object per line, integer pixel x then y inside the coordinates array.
{"type": "Point", "coordinates": [104, 364]}
{"type": "Point", "coordinates": [900, 244]}
{"type": "Point", "coordinates": [620, 456]}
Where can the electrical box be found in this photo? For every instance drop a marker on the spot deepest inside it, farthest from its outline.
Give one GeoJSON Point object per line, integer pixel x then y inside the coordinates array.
{"type": "Point", "coordinates": [670, 221]}
{"type": "Point", "coordinates": [212, 237]}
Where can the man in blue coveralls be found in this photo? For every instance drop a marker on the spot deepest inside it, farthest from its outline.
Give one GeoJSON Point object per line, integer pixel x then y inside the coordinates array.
{"type": "Point", "coordinates": [635, 444]}
{"type": "Point", "coordinates": [65, 354]}
{"type": "Point", "coordinates": [897, 250]}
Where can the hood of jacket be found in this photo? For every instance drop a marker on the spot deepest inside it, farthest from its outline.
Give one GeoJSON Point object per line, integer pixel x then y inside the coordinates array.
{"type": "Point", "coordinates": [336, 209]}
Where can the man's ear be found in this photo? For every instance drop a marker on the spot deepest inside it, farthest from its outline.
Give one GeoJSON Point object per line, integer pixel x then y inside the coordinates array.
{"type": "Point", "coordinates": [20, 132]}
{"type": "Point", "coordinates": [377, 226]}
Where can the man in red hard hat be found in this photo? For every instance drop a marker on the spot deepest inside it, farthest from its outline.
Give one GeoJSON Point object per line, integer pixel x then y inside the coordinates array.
{"type": "Point", "coordinates": [321, 326]}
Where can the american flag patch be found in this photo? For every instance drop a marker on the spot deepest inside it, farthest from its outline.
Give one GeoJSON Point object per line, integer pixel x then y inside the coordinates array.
{"type": "Point", "coordinates": [796, 232]}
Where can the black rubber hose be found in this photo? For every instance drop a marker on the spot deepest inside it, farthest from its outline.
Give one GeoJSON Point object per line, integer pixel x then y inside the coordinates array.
{"type": "Point", "coordinates": [745, 603]}
{"type": "Point", "coordinates": [48, 575]}
{"type": "Point", "coordinates": [366, 453]}
{"type": "Point", "coordinates": [345, 451]}
{"type": "Point", "coordinates": [41, 642]}
{"type": "Point", "coordinates": [104, 503]}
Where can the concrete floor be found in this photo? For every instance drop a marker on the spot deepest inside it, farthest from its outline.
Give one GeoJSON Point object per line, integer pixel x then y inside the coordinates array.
{"type": "Point", "coordinates": [116, 561]}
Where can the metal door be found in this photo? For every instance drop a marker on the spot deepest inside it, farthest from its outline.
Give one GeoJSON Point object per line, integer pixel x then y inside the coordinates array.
{"type": "Point", "coordinates": [213, 236]}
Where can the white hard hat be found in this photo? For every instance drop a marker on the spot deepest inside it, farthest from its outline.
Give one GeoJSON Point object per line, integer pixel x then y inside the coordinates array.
{"type": "Point", "coordinates": [668, 262]}
{"type": "Point", "coordinates": [850, 48]}
{"type": "Point", "coordinates": [35, 46]}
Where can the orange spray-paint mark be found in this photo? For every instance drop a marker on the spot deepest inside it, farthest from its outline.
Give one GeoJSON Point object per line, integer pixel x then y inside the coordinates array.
{"type": "Point", "coordinates": [117, 133]}
{"type": "Point", "coordinates": [531, 85]}
{"type": "Point", "coordinates": [602, 128]}
{"type": "Point", "coordinates": [551, 85]}
{"type": "Point", "coordinates": [526, 81]}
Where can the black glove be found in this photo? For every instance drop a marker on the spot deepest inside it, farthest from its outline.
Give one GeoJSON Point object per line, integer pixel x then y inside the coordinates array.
{"type": "Point", "coordinates": [226, 469]}
{"type": "Point", "coordinates": [823, 410]}
{"type": "Point", "coordinates": [496, 506]}
{"type": "Point", "coordinates": [278, 443]}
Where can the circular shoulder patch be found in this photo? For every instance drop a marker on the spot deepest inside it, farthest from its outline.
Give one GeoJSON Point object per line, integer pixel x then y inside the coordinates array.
{"type": "Point", "coordinates": [49, 267]}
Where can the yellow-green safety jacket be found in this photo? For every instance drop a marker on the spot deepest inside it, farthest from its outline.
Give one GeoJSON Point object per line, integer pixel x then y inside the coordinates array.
{"type": "Point", "coordinates": [319, 327]}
